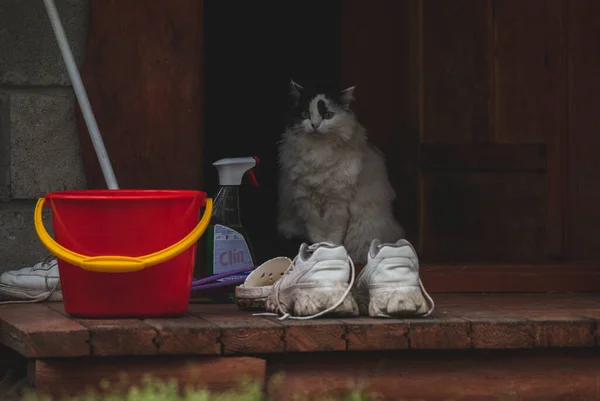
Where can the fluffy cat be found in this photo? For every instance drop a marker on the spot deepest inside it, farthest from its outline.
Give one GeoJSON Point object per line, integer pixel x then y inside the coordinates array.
{"type": "Point", "coordinates": [333, 184]}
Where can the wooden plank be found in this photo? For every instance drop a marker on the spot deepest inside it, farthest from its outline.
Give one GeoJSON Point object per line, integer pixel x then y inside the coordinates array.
{"type": "Point", "coordinates": [367, 334]}
{"type": "Point", "coordinates": [36, 331]}
{"type": "Point", "coordinates": [380, 55]}
{"type": "Point", "coordinates": [240, 331]}
{"type": "Point", "coordinates": [532, 93]}
{"type": "Point", "coordinates": [438, 375]}
{"type": "Point", "coordinates": [593, 314]}
{"type": "Point", "coordinates": [501, 333]}
{"type": "Point", "coordinates": [557, 149]}
{"type": "Point", "coordinates": [564, 332]}
{"type": "Point", "coordinates": [120, 337]}
{"type": "Point", "coordinates": [143, 71]}
{"type": "Point", "coordinates": [569, 304]}
{"type": "Point", "coordinates": [526, 320]}
{"type": "Point", "coordinates": [456, 70]}
{"type": "Point", "coordinates": [314, 335]}
{"type": "Point", "coordinates": [116, 336]}
{"type": "Point", "coordinates": [484, 217]}
{"type": "Point", "coordinates": [491, 331]}
{"type": "Point", "coordinates": [583, 146]}
{"type": "Point", "coordinates": [187, 335]}
{"type": "Point", "coordinates": [439, 332]}
{"type": "Point", "coordinates": [483, 157]}
{"type": "Point", "coordinates": [530, 71]}
{"type": "Point", "coordinates": [374, 59]}
{"type": "Point", "coordinates": [510, 277]}
{"type": "Point", "coordinates": [484, 71]}
{"type": "Point", "coordinates": [75, 376]}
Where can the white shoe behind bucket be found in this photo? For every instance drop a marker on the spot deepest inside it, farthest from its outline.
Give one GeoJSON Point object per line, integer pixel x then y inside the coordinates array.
{"type": "Point", "coordinates": [38, 283]}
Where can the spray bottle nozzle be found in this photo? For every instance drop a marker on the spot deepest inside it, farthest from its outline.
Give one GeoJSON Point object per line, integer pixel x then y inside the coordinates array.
{"type": "Point", "coordinates": [232, 170]}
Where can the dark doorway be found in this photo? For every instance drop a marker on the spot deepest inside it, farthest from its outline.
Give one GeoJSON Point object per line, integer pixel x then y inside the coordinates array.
{"type": "Point", "coordinates": [252, 49]}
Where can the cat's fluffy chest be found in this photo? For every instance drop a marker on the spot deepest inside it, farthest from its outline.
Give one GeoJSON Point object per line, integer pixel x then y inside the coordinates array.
{"type": "Point", "coordinates": [324, 170]}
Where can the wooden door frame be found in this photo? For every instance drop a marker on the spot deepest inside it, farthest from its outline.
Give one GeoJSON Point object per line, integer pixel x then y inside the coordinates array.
{"type": "Point", "coordinates": [563, 277]}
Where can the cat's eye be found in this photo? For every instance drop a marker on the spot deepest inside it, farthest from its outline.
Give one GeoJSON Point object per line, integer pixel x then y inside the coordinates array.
{"type": "Point", "coordinates": [305, 115]}
{"type": "Point", "coordinates": [328, 115]}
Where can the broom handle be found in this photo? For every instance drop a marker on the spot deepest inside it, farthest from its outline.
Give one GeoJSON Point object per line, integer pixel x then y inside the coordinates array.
{"type": "Point", "coordinates": [84, 103]}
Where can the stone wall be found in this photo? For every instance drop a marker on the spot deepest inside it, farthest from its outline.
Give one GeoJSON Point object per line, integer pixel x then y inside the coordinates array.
{"type": "Point", "coordinates": [39, 145]}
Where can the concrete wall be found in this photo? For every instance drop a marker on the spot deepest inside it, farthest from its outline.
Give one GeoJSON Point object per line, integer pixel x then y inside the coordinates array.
{"type": "Point", "coordinates": [39, 145]}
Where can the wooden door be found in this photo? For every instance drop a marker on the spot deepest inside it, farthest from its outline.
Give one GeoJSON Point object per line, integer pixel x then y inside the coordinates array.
{"type": "Point", "coordinates": [486, 110]}
{"type": "Point", "coordinates": [482, 86]}
{"type": "Point", "coordinates": [583, 141]}
{"type": "Point", "coordinates": [493, 118]}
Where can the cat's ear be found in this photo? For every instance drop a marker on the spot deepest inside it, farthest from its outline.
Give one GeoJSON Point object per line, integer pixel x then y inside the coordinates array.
{"type": "Point", "coordinates": [295, 90]}
{"type": "Point", "coordinates": [347, 96]}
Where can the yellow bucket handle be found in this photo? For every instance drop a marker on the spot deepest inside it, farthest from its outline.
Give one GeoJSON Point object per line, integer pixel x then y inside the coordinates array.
{"type": "Point", "coordinates": [118, 264]}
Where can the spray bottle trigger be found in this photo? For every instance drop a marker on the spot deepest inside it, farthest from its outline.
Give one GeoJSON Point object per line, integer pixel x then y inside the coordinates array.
{"type": "Point", "coordinates": [251, 175]}
{"type": "Point", "coordinates": [252, 178]}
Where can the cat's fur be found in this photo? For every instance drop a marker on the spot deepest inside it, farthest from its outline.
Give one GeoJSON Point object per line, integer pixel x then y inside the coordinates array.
{"type": "Point", "coordinates": [333, 184]}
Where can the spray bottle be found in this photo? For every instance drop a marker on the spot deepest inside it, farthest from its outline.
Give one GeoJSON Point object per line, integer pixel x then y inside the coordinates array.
{"type": "Point", "coordinates": [227, 243]}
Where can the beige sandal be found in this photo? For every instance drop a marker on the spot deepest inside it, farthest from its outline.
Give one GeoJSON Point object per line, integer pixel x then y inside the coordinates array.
{"type": "Point", "coordinates": [253, 293]}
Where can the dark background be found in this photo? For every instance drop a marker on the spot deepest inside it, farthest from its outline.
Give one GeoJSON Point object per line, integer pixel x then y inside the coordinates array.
{"type": "Point", "coordinates": [250, 56]}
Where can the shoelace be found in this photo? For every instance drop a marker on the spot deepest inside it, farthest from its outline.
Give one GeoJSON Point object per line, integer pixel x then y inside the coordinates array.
{"type": "Point", "coordinates": [35, 298]}
{"type": "Point", "coordinates": [431, 303]}
{"type": "Point", "coordinates": [45, 265]}
{"type": "Point", "coordinates": [286, 315]}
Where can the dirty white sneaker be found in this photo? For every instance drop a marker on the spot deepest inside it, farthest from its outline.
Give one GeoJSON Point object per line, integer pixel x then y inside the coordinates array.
{"type": "Point", "coordinates": [32, 284]}
{"type": "Point", "coordinates": [318, 282]}
{"type": "Point", "coordinates": [389, 285]}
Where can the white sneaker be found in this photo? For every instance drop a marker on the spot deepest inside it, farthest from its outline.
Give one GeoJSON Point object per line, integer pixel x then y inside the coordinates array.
{"type": "Point", "coordinates": [389, 285]}
{"type": "Point", "coordinates": [32, 284]}
{"type": "Point", "coordinates": [318, 282]}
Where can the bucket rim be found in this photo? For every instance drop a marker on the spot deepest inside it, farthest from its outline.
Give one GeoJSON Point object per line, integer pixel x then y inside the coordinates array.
{"type": "Point", "coordinates": [125, 194]}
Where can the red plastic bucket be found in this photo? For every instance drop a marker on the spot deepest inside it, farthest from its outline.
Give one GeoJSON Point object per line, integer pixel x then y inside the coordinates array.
{"type": "Point", "coordinates": [125, 253]}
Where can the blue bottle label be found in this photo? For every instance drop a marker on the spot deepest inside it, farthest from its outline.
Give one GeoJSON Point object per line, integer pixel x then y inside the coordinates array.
{"type": "Point", "coordinates": [230, 252]}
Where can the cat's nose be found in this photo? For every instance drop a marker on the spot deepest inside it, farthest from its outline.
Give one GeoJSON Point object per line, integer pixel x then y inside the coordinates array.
{"type": "Point", "coordinates": [314, 125]}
